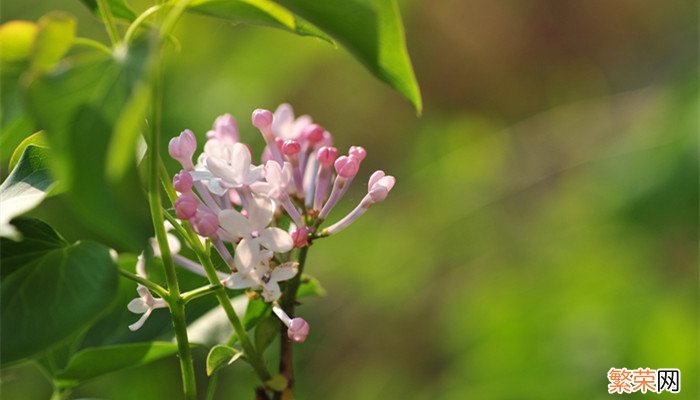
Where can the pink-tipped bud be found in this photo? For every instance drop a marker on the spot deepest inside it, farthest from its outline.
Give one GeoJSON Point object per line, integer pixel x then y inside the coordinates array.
{"type": "Point", "coordinates": [225, 129]}
{"type": "Point", "coordinates": [380, 185]}
{"type": "Point", "coordinates": [186, 206]}
{"type": "Point", "coordinates": [327, 139]}
{"type": "Point", "coordinates": [300, 237]}
{"type": "Point", "coordinates": [182, 148]}
{"type": "Point", "coordinates": [358, 152]}
{"type": "Point", "coordinates": [183, 181]}
{"type": "Point", "coordinates": [313, 133]}
{"type": "Point", "coordinates": [298, 330]}
{"type": "Point", "coordinates": [347, 167]}
{"type": "Point", "coordinates": [262, 119]}
{"type": "Point", "coordinates": [290, 147]}
{"type": "Point", "coordinates": [205, 223]}
{"type": "Point", "coordinates": [327, 155]}
{"type": "Point", "coordinates": [279, 143]}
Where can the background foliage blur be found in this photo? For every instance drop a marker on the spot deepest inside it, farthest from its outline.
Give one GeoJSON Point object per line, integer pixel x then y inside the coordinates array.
{"type": "Point", "coordinates": [544, 227]}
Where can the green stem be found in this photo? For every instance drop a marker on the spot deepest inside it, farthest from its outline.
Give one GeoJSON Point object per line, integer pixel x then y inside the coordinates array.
{"type": "Point", "coordinates": [109, 21]}
{"type": "Point", "coordinates": [253, 357]}
{"type": "Point", "coordinates": [199, 292]}
{"type": "Point", "coordinates": [131, 30]}
{"type": "Point", "coordinates": [174, 298]}
{"type": "Point", "coordinates": [94, 44]}
{"type": "Point", "coordinates": [60, 394]}
{"type": "Point", "coordinates": [154, 287]}
{"type": "Point", "coordinates": [211, 389]}
{"type": "Point", "coordinates": [286, 366]}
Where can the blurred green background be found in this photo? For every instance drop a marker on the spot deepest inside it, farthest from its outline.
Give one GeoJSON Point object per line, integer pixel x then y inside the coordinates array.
{"type": "Point", "coordinates": [544, 226]}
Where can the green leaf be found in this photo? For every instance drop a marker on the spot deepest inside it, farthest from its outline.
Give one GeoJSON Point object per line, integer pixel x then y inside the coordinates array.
{"type": "Point", "coordinates": [221, 356]}
{"type": "Point", "coordinates": [24, 189]}
{"type": "Point", "coordinates": [257, 12]}
{"type": "Point", "coordinates": [118, 7]}
{"type": "Point", "coordinates": [372, 31]}
{"type": "Point", "coordinates": [36, 139]}
{"type": "Point", "coordinates": [93, 362]}
{"type": "Point", "coordinates": [53, 296]}
{"type": "Point", "coordinates": [309, 287]}
{"type": "Point", "coordinates": [265, 332]}
{"type": "Point", "coordinates": [79, 108]}
{"type": "Point", "coordinates": [39, 239]}
{"type": "Point", "coordinates": [55, 38]}
{"type": "Point", "coordinates": [278, 382]}
{"type": "Point", "coordinates": [121, 151]}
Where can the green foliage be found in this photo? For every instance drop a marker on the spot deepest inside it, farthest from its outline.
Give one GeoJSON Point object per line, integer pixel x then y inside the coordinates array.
{"type": "Point", "coordinates": [37, 139]}
{"type": "Point", "coordinates": [119, 8]}
{"type": "Point", "coordinates": [79, 107]}
{"type": "Point", "coordinates": [27, 185]}
{"type": "Point", "coordinates": [372, 31]}
{"type": "Point", "coordinates": [54, 39]}
{"type": "Point", "coordinates": [310, 287]}
{"type": "Point", "coordinates": [257, 12]}
{"type": "Point", "coordinates": [94, 362]}
{"type": "Point", "coordinates": [265, 332]}
{"type": "Point", "coordinates": [55, 293]}
{"type": "Point", "coordinates": [221, 356]}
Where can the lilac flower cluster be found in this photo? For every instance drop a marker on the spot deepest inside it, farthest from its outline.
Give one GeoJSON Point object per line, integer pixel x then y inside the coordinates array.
{"type": "Point", "coordinates": [226, 198]}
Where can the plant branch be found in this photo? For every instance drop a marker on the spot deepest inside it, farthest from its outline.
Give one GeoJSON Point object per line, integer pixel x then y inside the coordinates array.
{"type": "Point", "coordinates": [109, 21]}
{"type": "Point", "coordinates": [154, 287]}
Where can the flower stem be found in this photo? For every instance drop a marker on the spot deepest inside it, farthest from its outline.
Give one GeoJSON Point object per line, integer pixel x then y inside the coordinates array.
{"type": "Point", "coordinates": [109, 21]}
{"type": "Point", "coordinates": [174, 299]}
{"type": "Point", "coordinates": [154, 287]}
{"type": "Point", "coordinates": [288, 301]}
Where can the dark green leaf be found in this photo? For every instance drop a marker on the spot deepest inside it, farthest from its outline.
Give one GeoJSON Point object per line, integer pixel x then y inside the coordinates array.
{"type": "Point", "coordinates": [221, 356]}
{"type": "Point", "coordinates": [257, 12]}
{"type": "Point", "coordinates": [93, 362]}
{"type": "Point", "coordinates": [24, 189]}
{"type": "Point", "coordinates": [53, 297]}
{"type": "Point", "coordinates": [266, 331]}
{"type": "Point", "coordinates": [39, 239]}
{"type": "Point", "coordinates": [118, 7]}
{"type": "Point", "coordinates": [37, 139]}
{"type": "Point", "coordinates": [372, 31]}
{"type": "Point", "coordinates": [79, 107]}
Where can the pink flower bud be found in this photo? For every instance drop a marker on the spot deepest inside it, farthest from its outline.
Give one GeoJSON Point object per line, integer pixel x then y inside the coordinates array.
{"type": "Point", "coordinates": [186, 206]}
{"type": "Point", "coordinates": [290, 147]}
{"type": "Point", "coordinates": [357, 152]}
{"type": "Point", "coordinates": [300, 237]}
{"type": "Point", "coordinates": [182, 148]}
{"type": "Point", "coordinates": [298, 330]}
{"type": "Point", "coordinates": [327, 155]}
{"type": "Point", "coordinates": [313, 133]}
{"type": "Point", "coordinates": [380, 185]}
{"type": "Point", "coordinates": [279, 143]}
{"type": "Point", "coordinates": [262, 119]}
{"type": "Point", "coordinates": [347, 167]}
{"type": "Point", "coordinates": [205, 223]}
{"type": "Point", "coordinates": [225, 129]}
{"type": "Point", "coordinates": [183, 181]}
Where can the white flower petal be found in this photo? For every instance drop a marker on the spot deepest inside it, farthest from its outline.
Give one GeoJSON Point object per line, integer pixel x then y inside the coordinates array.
{"type": "Point", "coordinates": [217, 187]}
{"type": "Point", "coordinates": [271, 292]}
{"type": "Point", "coordinates": [254, 174]}
{"type": "Point", "coordinates": [276, 240]}
{"type": "Point", "coordinates": [284, 272]}
{"type": "Point", "coordinates": [138, 324]}
{"type": "Point", "coordinates": [246, 257]}
{"type": "Point", "coordinates": [240, 281]}
{"type": "Point", "coordinates": [234, 223]}
{"type": "Point", "coordinates": [240, 162]}
{"type": "Point", "coordinates": [138, 306]}
{"type": "Point", "coordinates": [260, 212]}
{"type": "Point", "coordinates": [201, 175]}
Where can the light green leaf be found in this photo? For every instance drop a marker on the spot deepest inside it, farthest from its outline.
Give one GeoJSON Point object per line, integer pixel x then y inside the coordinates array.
{"type": "Point", "coordinates": [372, 31]}
{"type": "Point", "coordinates": [278, 382]}
{"type": "Point", "coordinates": [54, 39]}
{"type": "Point", "coordinates": [26, 187]}
{"type": "Point", "coordinates": [309, 287]}
{"type": "Point", "coordinates": [52, 296]}
{"type": "Point", "coordinates": [118, 7]}
{"type": "Point", "coordinates": [257, 12]}
{"type": "Point", "coordinates": [93, 362]}
{"type": "Point", "coordinates": [221, 356]}
{"type": "Point", "coordinates": [79, 107]}
{"type": "Point", "coordinates": [36, 139]}
{"type": "Point", "coordinates": [121, 151]}
{"type": "Point", "coordinates": [265, 332]}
